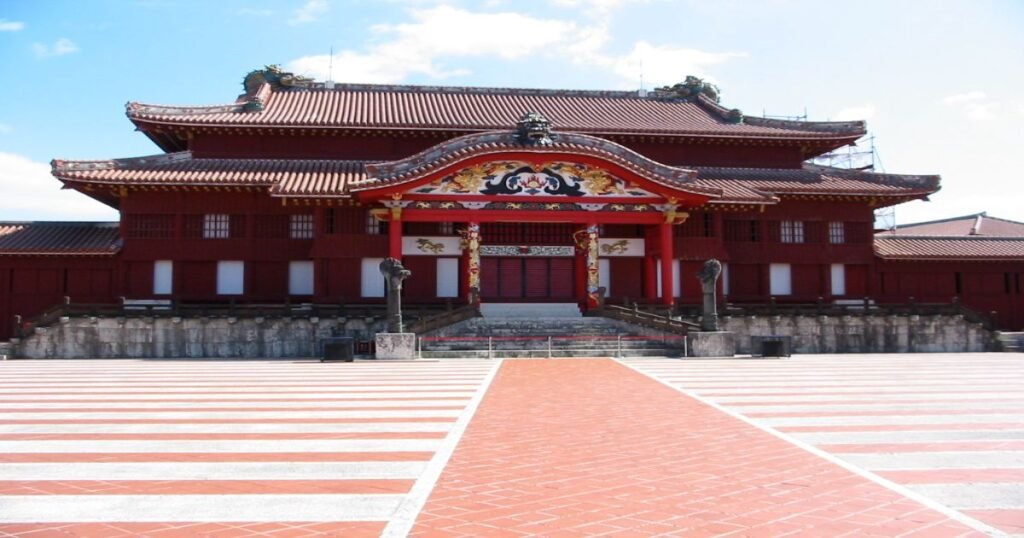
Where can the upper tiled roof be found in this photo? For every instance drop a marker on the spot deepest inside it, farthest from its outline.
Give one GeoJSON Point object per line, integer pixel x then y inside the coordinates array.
{"type": "Point", "coordinates": [334, 178]}
{"type": "Point", "coordinates": [909, 247]}
{"type": "Point", "coordinates": [364, 106]}
{"type": "Point", "coordinates": [979, 224]}
{"type": "Point", "coordinates": [59, 238]}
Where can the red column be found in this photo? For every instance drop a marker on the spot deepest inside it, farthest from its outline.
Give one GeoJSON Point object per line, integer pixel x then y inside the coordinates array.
{"type": "Point", "coordinates": [667, 293]}
{"type": "Point", "coordinates": [395, 237]}
{"type": "Point", "coordinates": [650, 277]}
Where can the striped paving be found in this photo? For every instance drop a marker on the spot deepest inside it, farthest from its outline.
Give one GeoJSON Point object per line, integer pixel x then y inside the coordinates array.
{"type": "Point", "coordinates": [260, 448]}
{"type": "Point", "coordinates": [949, 428]}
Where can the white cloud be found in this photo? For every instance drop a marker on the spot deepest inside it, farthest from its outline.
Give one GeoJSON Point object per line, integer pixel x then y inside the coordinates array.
{"type": "Point", "coordinates": [660, 64]}
{"type": "Point", "coordinates": [446, 33]}
{"type": "Point", "coordinates": [976, 105]}
{"type": "Point", "coordinates": [31, 193]}
{"type": "Point", "coordinates": [435, 33]}
{"type": "Point", "coordinates": [309, 12]}
{"type": "Point", "coordinates": [962, 98]}
{"type": "Point", "coordinates": [59, 48]}
{"type": "Point", "coordinates": [858, 112]}
{"type": "Point", "coordinates": [11, 26]}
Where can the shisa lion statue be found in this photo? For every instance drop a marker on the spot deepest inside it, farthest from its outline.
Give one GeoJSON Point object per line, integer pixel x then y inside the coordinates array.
{"type": "Point", "coordinates": [708, 277]}
{"type": "Point", "coordinates": [394, 273]}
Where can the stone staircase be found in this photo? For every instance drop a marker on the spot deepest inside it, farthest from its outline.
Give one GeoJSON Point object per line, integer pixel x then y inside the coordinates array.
{"type": "Point", "coordinates": [1011, 341]}
{"type": "Point", "coordinates": [545, 330]}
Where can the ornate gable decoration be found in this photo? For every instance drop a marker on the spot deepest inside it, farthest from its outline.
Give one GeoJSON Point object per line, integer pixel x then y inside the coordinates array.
{"type": "Point", "coordinates": [515, 178]}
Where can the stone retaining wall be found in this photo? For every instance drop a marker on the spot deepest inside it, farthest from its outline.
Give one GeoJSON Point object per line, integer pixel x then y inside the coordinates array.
{"type": "Point", "coordinates": [864, 334]}
{"type": "Point", "coordinates": [106, 338]}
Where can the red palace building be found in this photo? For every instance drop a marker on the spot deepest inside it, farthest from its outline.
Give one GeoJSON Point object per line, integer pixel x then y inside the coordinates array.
{"type": "Point", "coordinates": [296, 191]}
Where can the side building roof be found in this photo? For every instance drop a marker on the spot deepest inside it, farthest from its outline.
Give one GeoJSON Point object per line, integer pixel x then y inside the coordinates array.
{"type": "Point", "coordinates": [59, 238]}
{"type": "Point", "coordinates": [970, 237]}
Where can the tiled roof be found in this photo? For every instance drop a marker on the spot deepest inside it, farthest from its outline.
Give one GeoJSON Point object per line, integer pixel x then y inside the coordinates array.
{"type": "Point", "coordinates": [761, 183]}
{"type": "Point", "coordinates": [59, 238]}
{"type": "Point", "coordinates": [979, 224]}
{"type": "Point", "coordinates": [908, 247]}
{"type": "Point", "coordinates": [315, 176]}
{"type": "Point", "coordinates": [331, 178]}
{"type": "Point", "coordinates": [496, 142]}
{"type": "Point", "coordinates": [363, 106]}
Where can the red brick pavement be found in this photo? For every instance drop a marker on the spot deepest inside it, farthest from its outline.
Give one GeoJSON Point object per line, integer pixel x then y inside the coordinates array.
{"type": "Point", "coordinates": [590, 447]}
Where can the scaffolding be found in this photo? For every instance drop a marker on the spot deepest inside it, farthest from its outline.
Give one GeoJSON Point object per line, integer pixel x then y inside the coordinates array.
{"type": "Point", "coordinates": [860, 155]}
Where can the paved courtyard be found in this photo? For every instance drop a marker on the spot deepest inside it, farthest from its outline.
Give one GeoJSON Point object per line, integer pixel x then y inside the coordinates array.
{"type": "Point", "coordinates": [855, 445]}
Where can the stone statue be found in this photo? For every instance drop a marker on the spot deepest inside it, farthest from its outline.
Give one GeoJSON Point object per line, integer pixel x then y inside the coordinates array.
{"type": "Point", "coordinates": [394, 273]}
{"type": "Point", "coordinates": [708, 277]}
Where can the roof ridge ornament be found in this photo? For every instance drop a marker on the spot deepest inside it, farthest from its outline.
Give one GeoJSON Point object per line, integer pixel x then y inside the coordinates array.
{"type": "Point", "coordinates": [533, 129]}
{"type": "Point", "coordinates": [689, 89]}
{"type": "Point", "coordinates": [275, 76]}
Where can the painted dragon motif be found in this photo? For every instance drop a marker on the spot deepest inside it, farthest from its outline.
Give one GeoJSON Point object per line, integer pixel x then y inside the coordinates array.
{"type": "Point", "coordinates": [619, 247]}
{"type": "Point", "coordinates": [426, 245]}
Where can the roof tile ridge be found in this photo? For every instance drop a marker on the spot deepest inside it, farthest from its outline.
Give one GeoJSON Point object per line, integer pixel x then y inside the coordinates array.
{"type": "Point", "coordinates": [135, 109]}
{"type": "Point", "coordinates": [839, 127]}
{"type": "Point", "coordinates": [916, 180]}
{"type": "Point", "coordinates": [940, 221]}
{"type": "Point", "coordinates": [472, 90]}
{"type": "Point", "coordinates": [986, 216]}
{"type": "Point", "coordinates": [896, 237]}
{"type": "Point", "coordinates": [62, 165]}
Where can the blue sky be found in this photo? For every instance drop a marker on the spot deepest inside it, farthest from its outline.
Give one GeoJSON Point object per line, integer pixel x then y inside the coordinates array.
{"type": "Point", "coordinates": [941, 83]}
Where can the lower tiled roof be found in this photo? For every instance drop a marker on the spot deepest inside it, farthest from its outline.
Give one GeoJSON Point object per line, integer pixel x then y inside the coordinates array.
{"type": "Point", "coordinates": [333, 178]}
{"type": "Point", "coordinates": [59, 238]}
{"type": "Point", "coordinates": [908, 247]}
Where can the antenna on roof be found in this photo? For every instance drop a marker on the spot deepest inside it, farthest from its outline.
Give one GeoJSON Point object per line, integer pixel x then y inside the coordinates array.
{"type": "Point", "coordinates": [643, 91]}
{"type": "Point", "coordinates": [330, 70]}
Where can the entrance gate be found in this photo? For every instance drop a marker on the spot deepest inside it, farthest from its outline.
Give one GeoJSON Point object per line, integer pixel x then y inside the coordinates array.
{"type": "Point", "coordinates": [526, 278]}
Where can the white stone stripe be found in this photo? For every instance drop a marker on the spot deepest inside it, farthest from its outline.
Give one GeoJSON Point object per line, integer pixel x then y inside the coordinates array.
{"type": "Point", "coordinates": [195, 508]}
{"type": "Point", "coordinates": [976, 496]}
{"type": "Point", "coordinates": [177, 470]}
{"type": "Point", "coordinates": [888, 420]}
{"type": "Point", "coordinates": [887, 383]}
{"type": "Point", "coordinates": [330, 389]}
{"type": "Point", "coordinates": [242, 405]}
{"type": "Point", "coordinates": [247, 384]}
{"type": "Point", "coordinates": [202, 415]}
{"type": "Point", "coordinates": [221, 446]}
{"type": "Point", "coordinates": [405, 516]}
{"type": "Point", "coordinates": [902, 490]}
{"type": "Point", "coordinates": [937, 460]}
{"type": "Point", "coordinates": [804, 391]}
{"type": "Point", "coordinates": [465, 395]}
{"type": "Point", "coordinates": [908, 436]}
{"type": "Point", "coordinates": [740, 401]}
{"type": "Point", "coordinates": [227, 427]}
{"type": "Point", "coordinates": [937, 407]}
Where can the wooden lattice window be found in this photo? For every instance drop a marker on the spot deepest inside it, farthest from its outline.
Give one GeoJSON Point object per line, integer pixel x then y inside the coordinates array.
{"type": "Point", "coordinates": [791, 231]}
{"type": "Point", "coordinates": [150, 226]}
{"type": "Point", "coordinates": [742, 231]}
{"type": "Point", "coordinates": [301, 226]}
{"type": "Point", "coordinates": [836, 232]}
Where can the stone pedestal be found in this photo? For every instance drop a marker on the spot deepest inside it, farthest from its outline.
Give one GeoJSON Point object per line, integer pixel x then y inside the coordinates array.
{"type": "Point", "coordinates": [712, 344]}
{"type": "Point", "coordinates": [396, 346]}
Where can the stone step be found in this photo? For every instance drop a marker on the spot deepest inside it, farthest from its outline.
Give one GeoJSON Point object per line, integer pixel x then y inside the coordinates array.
{"type": "Point", "coordinates": [1011, 341]}
{"type": "Point", "coordinates": [541, 354]}
{"type": "Point", "coordinates": [530, 310]}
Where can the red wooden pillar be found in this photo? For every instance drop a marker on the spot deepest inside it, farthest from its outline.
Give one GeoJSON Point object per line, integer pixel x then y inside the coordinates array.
{"type": "Point", "coordinates": [395, 236]}
{"type": "Point", "coordinates": [650, 276]}
{"type": "Point", "coordinates": [667, 293]}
